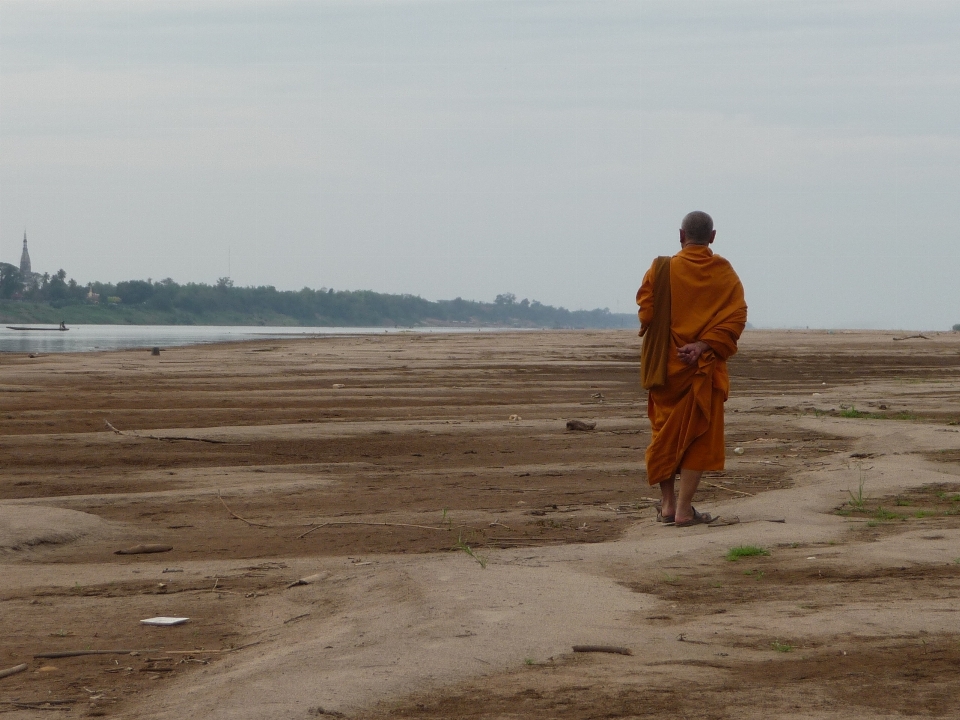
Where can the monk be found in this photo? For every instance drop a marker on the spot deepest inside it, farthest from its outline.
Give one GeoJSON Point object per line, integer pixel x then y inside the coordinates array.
{"type": "Point", "coordinates": [692, 313]}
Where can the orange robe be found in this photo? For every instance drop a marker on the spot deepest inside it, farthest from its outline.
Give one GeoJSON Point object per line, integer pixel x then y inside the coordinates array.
{"type": "Point", "coordinates": [686, 414]}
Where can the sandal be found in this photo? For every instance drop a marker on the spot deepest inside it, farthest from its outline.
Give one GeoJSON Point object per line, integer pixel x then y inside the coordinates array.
{"type": "Point", "coordinates": [697, 519]}
{"type": "Point", "coordinates": [661, 518]}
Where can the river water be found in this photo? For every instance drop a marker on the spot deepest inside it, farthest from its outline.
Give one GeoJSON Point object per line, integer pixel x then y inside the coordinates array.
{"type": "Point", "coordinates": [87, 338]}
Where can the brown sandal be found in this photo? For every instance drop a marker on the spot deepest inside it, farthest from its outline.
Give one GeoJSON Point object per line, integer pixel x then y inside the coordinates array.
{"type": "Point", "coordinates": [661, 518]}
{"type": "Point", "coordinates": [697, 519]}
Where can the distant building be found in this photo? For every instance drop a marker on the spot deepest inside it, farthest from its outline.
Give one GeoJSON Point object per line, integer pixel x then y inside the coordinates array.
{"type": "Point", "coordinates": [25, 271]}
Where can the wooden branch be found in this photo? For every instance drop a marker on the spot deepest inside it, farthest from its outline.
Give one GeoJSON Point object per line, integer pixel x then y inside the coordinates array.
{"type": "Point", "coordinates": [13, 671]}
{"type": "Point", "coordinates": [79, 653]}
{"type": "Point", "coordinates": [721, 487]}
{"type": "Point", "coordinates": [602, 649]}
{"type": "Point", "coordinates": [248, 522]}
{"type": "Point", "coordinates": [359, 522]}
{"type": "Point", "coordinates": [141, 549]}
{"type": "Point", "coordinates": [919, 336]}
{"type": "Point", "coordinates": [172, 438]}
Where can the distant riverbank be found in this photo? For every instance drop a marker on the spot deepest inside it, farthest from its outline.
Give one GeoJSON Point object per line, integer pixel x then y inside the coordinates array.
{"type": "Point", "coordinates": [18, 312]}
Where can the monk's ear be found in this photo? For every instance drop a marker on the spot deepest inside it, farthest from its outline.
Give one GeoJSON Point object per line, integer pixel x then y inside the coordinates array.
{"type": "Point", "coordinates": [713, 234]}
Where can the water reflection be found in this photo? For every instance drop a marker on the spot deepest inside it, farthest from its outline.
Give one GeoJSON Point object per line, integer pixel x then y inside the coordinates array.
{"type": "Point", "coordinates": [86, 338]}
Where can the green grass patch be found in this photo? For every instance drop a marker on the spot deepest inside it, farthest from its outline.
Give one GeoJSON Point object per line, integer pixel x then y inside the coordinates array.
{"type": "Point", "coordinates": [782, 647]}
{"type": "Point", "coordinates": [852, 412]}
{"type": "Point", "coordinates": [882, 514]}
{"type": "Point", "coordinates": [742, 551]}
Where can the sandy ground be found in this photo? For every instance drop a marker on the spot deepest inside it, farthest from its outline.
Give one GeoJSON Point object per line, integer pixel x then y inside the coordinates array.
{"type": "Point", "coordinates": [460, 554]}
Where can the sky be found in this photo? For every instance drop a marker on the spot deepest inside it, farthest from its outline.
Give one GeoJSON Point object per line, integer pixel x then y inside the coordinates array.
{"type": "Point", "coordinates": [456, 148]}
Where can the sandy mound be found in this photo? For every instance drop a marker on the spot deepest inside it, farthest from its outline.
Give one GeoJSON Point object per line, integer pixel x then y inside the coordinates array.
{"type": "Point", "coordinates": [23, 526]}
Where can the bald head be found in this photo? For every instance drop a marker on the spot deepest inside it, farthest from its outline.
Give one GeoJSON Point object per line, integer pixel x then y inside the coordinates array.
{"type": "Point", "coordinates": [697, 227]}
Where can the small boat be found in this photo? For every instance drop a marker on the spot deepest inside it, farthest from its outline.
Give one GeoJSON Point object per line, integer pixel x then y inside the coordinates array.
{"type": "Point", "coordinates": [56, 329]}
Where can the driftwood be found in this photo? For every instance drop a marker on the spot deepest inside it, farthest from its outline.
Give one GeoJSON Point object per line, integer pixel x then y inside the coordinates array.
{"type": "Point", "coordinates": [309, 579]}
{"type": "Point", "coordinates": [79, 653]}
{"type": "Point", "coordinates": [580, 425]}
{"type": "Point", "coordinates": [171, 438]}
{"type": "Point", "coordinates": [143, 549]}
{"type": "Point", "coordinates": [722, 487]}
{"type": "Point", "coordinates": [919, 336]}
{"type": "Point", "coordinates": [55, 705]}
{"type": "Point", "coordinates": [602, 649]}
{"type": "Point", "coordinates": [248, 522]}
{"type": "Point", "coordinates": [330, 522]}
{"type": "Point", "coordinates": [360, 522]}
{"type": "Point", "coordinates": [13, 671]}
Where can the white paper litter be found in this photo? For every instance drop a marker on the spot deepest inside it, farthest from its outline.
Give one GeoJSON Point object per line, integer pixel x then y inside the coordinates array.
{"type": "Point", "coordinates": [164, 621]}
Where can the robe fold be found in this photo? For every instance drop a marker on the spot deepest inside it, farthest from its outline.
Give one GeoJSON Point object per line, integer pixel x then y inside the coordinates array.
{"type": "Point", "coordinates": [686, 413]}
{"type": "Point", "coordinates": [657, 342]}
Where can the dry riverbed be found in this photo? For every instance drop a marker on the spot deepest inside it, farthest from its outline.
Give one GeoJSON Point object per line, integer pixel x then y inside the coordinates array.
{"type": "Point", "coordinates": [459, 540]}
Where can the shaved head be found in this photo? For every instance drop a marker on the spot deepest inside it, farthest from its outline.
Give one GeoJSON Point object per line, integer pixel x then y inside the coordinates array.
{"type": "Point", "coordinates": [698, 227]}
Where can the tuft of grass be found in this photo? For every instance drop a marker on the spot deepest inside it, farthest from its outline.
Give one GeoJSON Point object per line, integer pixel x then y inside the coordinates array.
{"type": "Point", "coordinates": [852, 412]}
{"type": "Point", "coordinates": [755, 574]}
{"type": "Point", "coordinates": [528, 661]}
{"type": "Point", "coordinates": [782, 647]}
{"type": "Point", "coordinates": [882, 514]}
{"type": "Point", "coordinates": [903, 503]}
{"type": "Point", "coordinates": [923, 513]}
{"type": "Point", "coordinates": [857, 500]}
{"type": "Point", "coordinates": [461, 545]}
{"type": "Point", "coordinates": [741, 551]}
{"type": "Point", "coordinates": [872, 523]}
{"type": "Point", "coordinates": [668, 578]}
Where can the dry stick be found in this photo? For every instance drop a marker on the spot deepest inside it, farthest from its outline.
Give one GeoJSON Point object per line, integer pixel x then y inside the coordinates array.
{"type": "Point", "coordinates": [41, 705]}
{"type": "Point", "coordinates": [721, 487]}
{"type": "Point", "coordinates": [358, 522]}
{"type": "Point", "coordinates": [78, 653]}
{"type": "Point", "coordinates": [912, 337]}
{"type": "Point", "coordinates": [248, 522]}
{"type": "Point", "coordinates": [602, 649]}
{"type": "Point", "coordinates": [332, 522]}
{"type": "Point", "coordinates": [173, 437]}
{"type": "Point", "coordinates": [13, 671]}
{"type": "Point", "coordinates": [193, 652]}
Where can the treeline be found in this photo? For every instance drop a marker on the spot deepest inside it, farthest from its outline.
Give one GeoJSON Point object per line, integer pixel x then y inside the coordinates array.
{"type": "Point", "coordinates": [198, 303]}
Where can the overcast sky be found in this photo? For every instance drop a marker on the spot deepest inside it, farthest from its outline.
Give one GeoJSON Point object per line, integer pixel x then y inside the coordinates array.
{"type": "Point", "coordinates": [459, 148]}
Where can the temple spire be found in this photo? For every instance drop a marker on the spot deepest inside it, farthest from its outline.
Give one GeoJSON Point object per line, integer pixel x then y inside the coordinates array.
{"type": "Point", "coordinates": [25, 271]}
